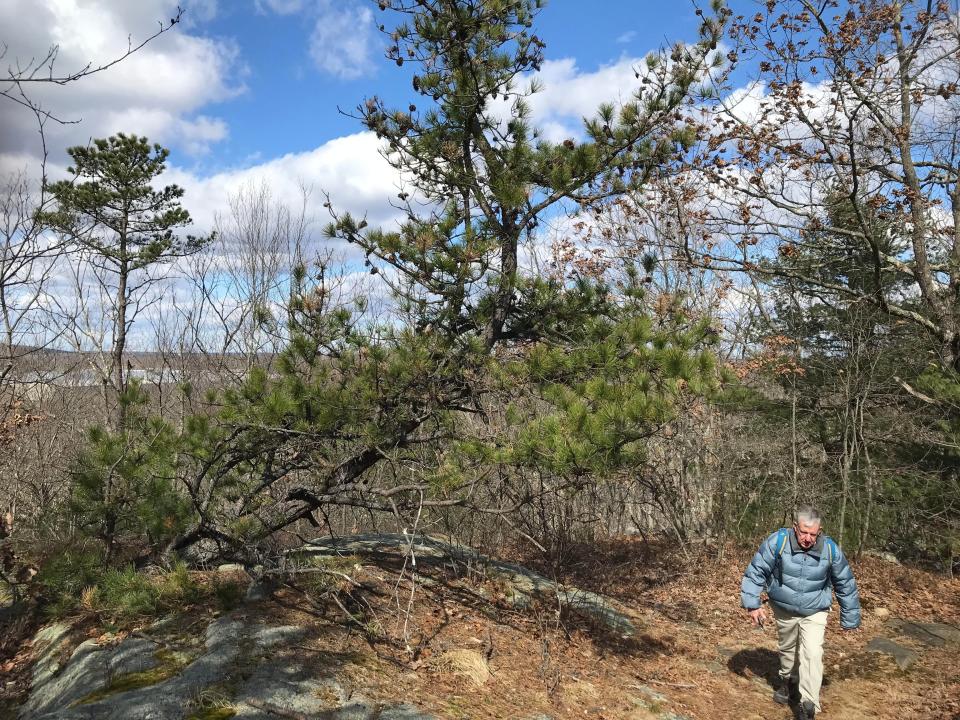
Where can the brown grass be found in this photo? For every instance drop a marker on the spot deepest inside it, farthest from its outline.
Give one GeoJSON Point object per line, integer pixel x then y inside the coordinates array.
{"type": "Point", "coordinates": [469, 664]}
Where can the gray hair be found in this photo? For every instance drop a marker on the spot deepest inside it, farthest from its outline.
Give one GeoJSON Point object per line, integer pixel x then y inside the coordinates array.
{"type": "Point", "coordinates": [808, 515]}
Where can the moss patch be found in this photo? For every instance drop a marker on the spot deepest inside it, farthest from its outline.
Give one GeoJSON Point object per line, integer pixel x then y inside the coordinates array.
{"type": "Point", "coordinates": [169, 664]}
{"type": "Point", "coordinates": [218, 713]}
{"type": "Point", "coordinates": [867, 666]}
{"type": "Point", "coordinates": [213, 702]}
{"type": "Point", "coordinates": [6, 594]}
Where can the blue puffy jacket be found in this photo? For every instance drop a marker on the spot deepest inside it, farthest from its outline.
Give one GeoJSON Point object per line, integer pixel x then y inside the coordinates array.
{"type": "Point", "coordinates": [799, 580]}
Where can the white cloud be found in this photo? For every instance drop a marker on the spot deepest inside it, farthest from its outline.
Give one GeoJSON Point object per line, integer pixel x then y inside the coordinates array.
{"type": "Point", "coordinates": [199, 11]}
{"type": "Point", "coordinates": [351, 169]}
{"type": "Point", "coordinates": [281, 7]}
{"type": "Point", "coordinates": [198, 134]}
{"type": "Point", "coordinates": [343, 33]}
{"type": "Point", "coordinates": [626, 37]}
{"type": "Point", "coordinates": [567, 95]}
{"type": "Point", "coordinates": [194, 136]}
{"type": "Point", "coordinates": [342, 40]}
{"type": "Point", "coordinates": [164, 83]}
{"type": "Point", "coordinates": [571, 94]}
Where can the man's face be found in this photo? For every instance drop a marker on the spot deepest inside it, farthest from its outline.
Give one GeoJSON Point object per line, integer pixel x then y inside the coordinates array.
{"type": "Point", "coordinates": [807, 533]}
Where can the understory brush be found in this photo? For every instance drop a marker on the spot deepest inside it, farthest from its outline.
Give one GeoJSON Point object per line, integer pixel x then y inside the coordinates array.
{"type": "Point", "coordinates": [77, 582]}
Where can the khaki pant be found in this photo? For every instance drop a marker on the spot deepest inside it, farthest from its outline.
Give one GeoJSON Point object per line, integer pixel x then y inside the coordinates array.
{"type": "Point", "coordinates": [801, 650]}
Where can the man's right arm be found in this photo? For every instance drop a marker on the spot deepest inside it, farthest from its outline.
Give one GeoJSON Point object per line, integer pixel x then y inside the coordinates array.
{"type": "Point", "coordinates": [758, 573]}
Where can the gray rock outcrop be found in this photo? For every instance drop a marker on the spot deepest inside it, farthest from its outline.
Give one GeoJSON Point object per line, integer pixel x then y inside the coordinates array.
{"type": "Point", "coordinates": [904, 657]}
{"type": "Point", "coordinates": [931, 634]}
{"type": "Point", "coordinates": [523, 583]}
{"type": "Point", "coordinates": [253, 671]}
{"type": "Point", "coordinates": [920, 634]}
{"type": "Point", "coordinates": [249, 668]}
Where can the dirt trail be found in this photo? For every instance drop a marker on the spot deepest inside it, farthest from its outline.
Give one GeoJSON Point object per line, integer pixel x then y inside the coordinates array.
{"type": "Point", "coordinates": [692, 655]}
{"type": "Point", "coordinates": [700, 607]}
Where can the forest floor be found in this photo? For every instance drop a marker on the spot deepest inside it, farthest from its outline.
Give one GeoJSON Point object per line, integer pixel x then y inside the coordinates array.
{"type": "Point", "coordinates": [456, 649]}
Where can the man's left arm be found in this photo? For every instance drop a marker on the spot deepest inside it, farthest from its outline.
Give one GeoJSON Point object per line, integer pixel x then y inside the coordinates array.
{"type": "Point", "coordinates": [845, 586]}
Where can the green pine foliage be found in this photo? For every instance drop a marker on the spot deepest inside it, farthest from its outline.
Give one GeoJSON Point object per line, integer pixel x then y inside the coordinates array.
{"type": "Point", "coordinates": [112, 208]}
{"type": "Point", "coordinates": [124, 489]}
{"type": "Point", "coordinates": [598, 400]}
{"type": "Point", "coordinates": [71, 568]}
{"type": "Point", "coordinates": [111, 216]}
{"type": "Point", "coordinates": [78, 582]}
{"type": "Point", "coordinates": [386, 414]}
{"type": "Point", "coordinates": [472, 152]}
{"type": "Point", "coordinates": [348, 394]}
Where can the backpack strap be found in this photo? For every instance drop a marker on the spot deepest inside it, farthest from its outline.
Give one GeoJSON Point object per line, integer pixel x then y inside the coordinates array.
{"type": "Point", "coordinates": [782, 538]}
{"type": "Point", "coordinates": [832, 551]}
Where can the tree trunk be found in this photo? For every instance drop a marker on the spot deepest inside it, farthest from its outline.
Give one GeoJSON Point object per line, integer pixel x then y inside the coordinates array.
{"type": "Point", "coordinates": [869, 481]}
{"type": "Point", "coordinates": [844, 488]}
{"type": "Point", "coordinates": [846, 462]}
{"type": "Point", "coordinates": [120, 338]}
{"type": "Point", "coordinates": [508, 278]}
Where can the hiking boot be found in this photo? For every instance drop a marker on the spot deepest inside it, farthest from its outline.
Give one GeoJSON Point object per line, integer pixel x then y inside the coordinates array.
{"type": "Point", "coordinates": [787, 692]}
{"type": "Point", "coordinates": [807, 710]}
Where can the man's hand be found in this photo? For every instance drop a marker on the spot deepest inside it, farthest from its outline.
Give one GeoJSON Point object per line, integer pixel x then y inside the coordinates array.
{"type": "Point", "coordinates": [758, 616]}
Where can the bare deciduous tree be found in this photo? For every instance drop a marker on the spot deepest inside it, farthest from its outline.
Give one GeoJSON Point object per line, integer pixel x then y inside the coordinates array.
{"type": "Point", "coordinates": [860, 103]}
{"type": "Point", "coordinates": [22, 75]}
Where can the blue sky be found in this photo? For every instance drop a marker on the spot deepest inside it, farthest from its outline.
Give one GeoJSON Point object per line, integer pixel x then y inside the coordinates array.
{"type": "Point", "coordinates": [245, 94]}
{"type": "Point", "coordinates": [248, 91]}
{"type": "Point", "coordinates": [291, 102]}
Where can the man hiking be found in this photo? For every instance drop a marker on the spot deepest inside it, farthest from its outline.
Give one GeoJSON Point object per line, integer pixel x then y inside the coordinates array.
{"type": "Point", "coordinates": [797, 567]}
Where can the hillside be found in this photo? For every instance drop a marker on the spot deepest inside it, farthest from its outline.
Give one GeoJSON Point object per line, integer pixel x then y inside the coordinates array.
{"type": "Point", "coordinates": [345, 637]}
